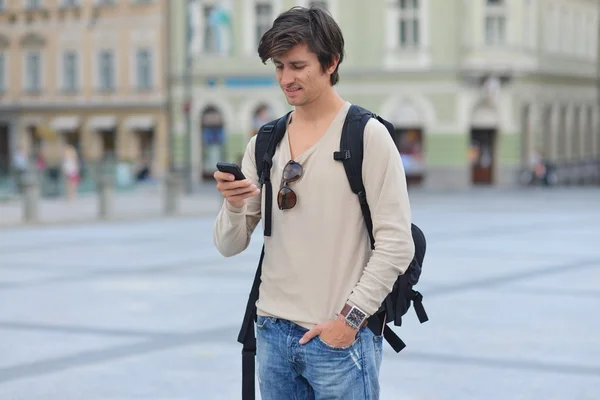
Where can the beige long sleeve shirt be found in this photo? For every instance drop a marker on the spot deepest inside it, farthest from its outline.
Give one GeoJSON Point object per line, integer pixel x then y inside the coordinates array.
{"type": "Point", "coordinates": [319, 255]}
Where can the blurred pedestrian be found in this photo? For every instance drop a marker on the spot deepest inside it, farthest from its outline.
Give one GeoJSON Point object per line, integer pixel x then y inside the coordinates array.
{"type": "Point", "coordinates": [20, 166]}
{"type": "Point", "coordinates": [70, 169]}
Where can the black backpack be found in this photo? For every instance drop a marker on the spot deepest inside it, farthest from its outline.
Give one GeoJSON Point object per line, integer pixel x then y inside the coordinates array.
{"type": "Point", "coordinates": [402, 296]}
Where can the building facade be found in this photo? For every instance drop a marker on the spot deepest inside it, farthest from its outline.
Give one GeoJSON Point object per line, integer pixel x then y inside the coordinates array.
{"type": "Point", "coordinates": [477, 89]}
{"type": "Point", "coordinates": [89, 73]}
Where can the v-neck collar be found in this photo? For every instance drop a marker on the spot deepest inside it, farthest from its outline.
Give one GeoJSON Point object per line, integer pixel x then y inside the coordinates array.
{"type": "Point", "coordinates": [342, 112]}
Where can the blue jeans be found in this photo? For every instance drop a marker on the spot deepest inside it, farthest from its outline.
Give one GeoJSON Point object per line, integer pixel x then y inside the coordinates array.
{"type": "Point", "coordinates": [288, 370]}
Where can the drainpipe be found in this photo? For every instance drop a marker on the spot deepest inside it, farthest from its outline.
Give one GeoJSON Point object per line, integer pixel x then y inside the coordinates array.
{"type": "Point", "coordinates": [168, 83]}
{"type": "Point", "coordinates": [188, 97]}
{"type": "Point", "coordinates": [598, 94]}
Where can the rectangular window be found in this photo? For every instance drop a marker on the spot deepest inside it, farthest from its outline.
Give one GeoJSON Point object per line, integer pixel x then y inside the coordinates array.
{"type": "Point", "coordinates": [319, 4]}
{"type": "Point", "coordinates": [529, 25]}
{"type": "Point", "coordinates": [33, 67]}
{"type": "Point", "coordinates": [591, 37]}
{"type": "Point", "coordinates": [106, 70]}
{"type": "Point", "coordinates": [264, 19]}
{"type": "Point", "coordinates": [210, 36]}
{"type": "Point", "coordinates": [409, 24]}
{"type": "Point", "coordinates": [2, 73]}
{"type": "Point", "coordinates": [552, 29]}
{"type": "Point", "coordinates": [33, 4]}
{"type": "Point", "coordinates": [495, 22]}
{"type": "Point", "coordinates": [579, 34]}
{"type": "Point", "coordinates": [70, 71]}
{"type": "Point", "coordinates": [144, 68]}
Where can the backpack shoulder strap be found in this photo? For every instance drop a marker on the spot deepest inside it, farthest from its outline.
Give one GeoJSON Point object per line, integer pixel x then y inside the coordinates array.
{"type": "Point", "coordinates": [267, 139]}
{"type": "Point", "coordinates": [247, 336]}
{"type": "Point", "coordinates": [351, 154]}
{"type": "Point", "coordinates": [268, 136]}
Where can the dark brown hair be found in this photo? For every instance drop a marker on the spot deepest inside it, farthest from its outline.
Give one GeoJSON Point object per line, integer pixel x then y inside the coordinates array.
{"type": "Point", "coordinates": [315, 27]}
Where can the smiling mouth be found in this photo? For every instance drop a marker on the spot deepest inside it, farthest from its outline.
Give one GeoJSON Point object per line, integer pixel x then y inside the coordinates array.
{"type": "Point", "coordinates": [292, 90]}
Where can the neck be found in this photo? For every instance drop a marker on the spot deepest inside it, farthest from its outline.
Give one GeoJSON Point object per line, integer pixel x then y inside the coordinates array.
{"type": "Point", "coordinates": [329, 102]}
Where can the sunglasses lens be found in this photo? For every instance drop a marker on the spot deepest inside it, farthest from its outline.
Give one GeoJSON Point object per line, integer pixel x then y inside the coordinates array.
{"type": "Point", "coordinates": [286, 198]}
{"type": "Point", "coordinates": [292, 172]}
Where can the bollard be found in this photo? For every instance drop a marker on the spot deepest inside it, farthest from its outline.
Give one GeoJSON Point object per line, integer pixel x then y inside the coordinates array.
{"type": "Point", "coordinates": [105, 197]}
{"type": "Point", "coordinates": [31, 198]}
{"type": "Point", "coordinates": [172, 194]}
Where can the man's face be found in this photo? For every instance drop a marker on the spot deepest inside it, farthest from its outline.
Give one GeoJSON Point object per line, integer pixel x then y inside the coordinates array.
{"type": "Point", "coordinates": [300, 75]}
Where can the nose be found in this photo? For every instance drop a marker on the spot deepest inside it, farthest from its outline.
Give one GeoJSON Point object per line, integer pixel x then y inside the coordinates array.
{"type": "Point", "coordinates": [287, 77]}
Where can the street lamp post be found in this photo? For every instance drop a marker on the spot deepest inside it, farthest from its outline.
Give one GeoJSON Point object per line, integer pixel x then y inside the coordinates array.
{"type": "Point", "coordinates": [189, 34]}
{"type": "Point", "coordinates": [597, 133]}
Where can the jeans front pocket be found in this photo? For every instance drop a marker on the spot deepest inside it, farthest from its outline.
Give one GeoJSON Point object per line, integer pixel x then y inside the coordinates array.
{"type": "Point", "coordinates": [263, 322]}
{"type": "Point", "coordinates": [338, 348]}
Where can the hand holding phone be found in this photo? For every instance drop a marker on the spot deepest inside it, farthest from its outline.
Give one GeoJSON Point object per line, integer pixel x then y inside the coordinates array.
{"type": "Point", "coordinates": [233, 185]}
{"type": "Point", "coordinates": [232, 169]}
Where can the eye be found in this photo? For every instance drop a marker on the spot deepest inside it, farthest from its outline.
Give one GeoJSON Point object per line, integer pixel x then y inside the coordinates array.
{"type": "Point", "coordinates": [279, 66]}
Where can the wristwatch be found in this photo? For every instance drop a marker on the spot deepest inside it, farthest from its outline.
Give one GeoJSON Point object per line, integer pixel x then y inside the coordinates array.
{"type": "Point", "coordinates": [355, 317]}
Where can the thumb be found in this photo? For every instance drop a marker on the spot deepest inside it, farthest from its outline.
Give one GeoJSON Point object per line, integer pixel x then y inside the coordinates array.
{"type": "Point", "coordinates": [308, 336]}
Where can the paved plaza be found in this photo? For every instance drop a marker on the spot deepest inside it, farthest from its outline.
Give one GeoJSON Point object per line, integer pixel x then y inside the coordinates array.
{"type": "Point", "coordinates": [148, 309]}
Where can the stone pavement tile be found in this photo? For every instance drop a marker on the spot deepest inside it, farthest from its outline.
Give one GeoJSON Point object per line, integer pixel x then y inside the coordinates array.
{"type": "Point", "coordinates": [25, 346]}
{"type": "Point", "coordinates": [428, 376]}
{"type": "Point", "coordinates": [208, 370]}
{"type": "Point", "coordinates": [153, 304]}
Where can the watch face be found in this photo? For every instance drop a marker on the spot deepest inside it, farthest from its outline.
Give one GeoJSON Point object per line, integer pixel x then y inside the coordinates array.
{"type": "Point", "coordinates": [356, 317]}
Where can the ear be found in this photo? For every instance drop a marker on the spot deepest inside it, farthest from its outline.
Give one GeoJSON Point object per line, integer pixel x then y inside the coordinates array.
{"type": "Point", "coordinates": [334, 63]}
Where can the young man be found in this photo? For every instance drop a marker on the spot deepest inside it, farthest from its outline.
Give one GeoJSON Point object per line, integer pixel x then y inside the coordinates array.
{"type": "Point", "coordinates": [318, 266]}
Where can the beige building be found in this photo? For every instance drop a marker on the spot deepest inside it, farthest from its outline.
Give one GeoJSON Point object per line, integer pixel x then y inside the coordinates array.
{"type": "Point", "coordinates": [85, 72]}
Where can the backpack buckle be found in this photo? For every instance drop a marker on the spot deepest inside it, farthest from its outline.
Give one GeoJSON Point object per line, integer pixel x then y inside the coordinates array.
{"type": "Point", "coordinates": [342, 155]}
{"type": "Point", "coordinates": [362, 197]}
{"type": "Point", "coordinates": [417, 297]}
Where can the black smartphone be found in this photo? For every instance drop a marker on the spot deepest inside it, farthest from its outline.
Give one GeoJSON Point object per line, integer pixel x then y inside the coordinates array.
{"type": "Point", "coordinates": [232, 169]}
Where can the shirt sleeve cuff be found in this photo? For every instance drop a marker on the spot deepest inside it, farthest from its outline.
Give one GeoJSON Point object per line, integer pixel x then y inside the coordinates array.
{"type": "Point", "coordinates": [231, 210]}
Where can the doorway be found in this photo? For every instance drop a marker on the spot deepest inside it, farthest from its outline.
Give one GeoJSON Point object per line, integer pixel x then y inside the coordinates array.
{"type": "Point", "coordinates": [409, 142]}
{"type": "Point", "coordinates": [482, 150]}
{"type": "Point", "coordinates": [145, 142]}
{"type": "Point", "coordinates": [109, 145]}
{"type": "Point", "coordinates": [5, 153]}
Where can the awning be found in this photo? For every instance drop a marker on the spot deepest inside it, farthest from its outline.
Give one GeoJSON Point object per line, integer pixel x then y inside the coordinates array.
{"type": "Point", "coordinates": [65, 123]}
{"type": "Point", "coordinates": [32, 120]}
{"type": "Point", "coordinates": [102, 123]}
{"type": "Point", "coordinates": [44, 132]}
{"type": "Point", "coordinates": [140, 122]}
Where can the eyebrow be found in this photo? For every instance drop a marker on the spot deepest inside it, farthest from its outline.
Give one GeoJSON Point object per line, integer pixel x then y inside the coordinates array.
{"type": "Point", "coordinates": [293, 63]}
